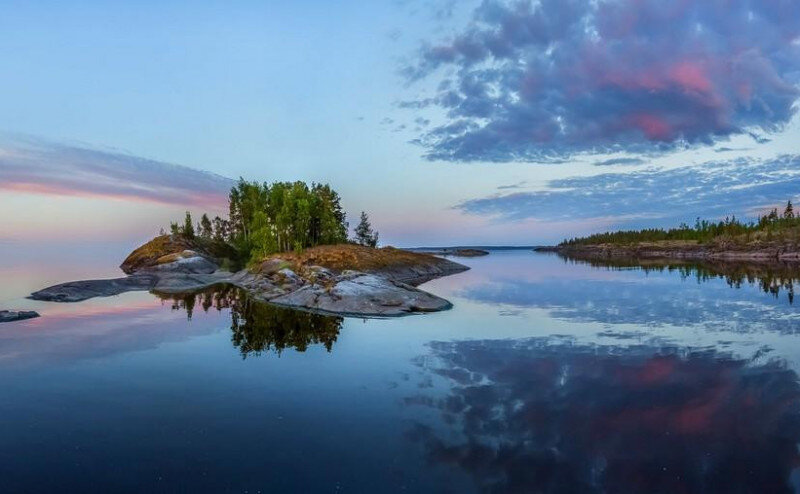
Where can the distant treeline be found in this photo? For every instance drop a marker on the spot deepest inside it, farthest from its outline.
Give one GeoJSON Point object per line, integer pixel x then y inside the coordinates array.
{"type": "Point", "coordinates": [765, 228]}
{"type": "Point", "coordinates": [267, 218]}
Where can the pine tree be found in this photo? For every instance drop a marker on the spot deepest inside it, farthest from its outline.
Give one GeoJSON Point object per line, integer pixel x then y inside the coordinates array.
{"type": "Point", "coordinates": [188, 227]}
{"type": "Point", "coordinates": [206, 230]}
{"type": "Point", "coordinates": [789, 212]}
{"type": "Point", "coordinates": [364, 233]}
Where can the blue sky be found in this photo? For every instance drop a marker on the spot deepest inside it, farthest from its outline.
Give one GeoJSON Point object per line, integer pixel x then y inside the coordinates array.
{"type": "Point", "coordinates": [478, 122]}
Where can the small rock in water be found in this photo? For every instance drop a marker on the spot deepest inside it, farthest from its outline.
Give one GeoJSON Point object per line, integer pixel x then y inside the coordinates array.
{"type": "Point", "coordinates": [9, 315]}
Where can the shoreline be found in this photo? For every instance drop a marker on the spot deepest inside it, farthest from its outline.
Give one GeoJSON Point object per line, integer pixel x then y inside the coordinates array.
{"type": "Point", "coordinates": [675, 251]}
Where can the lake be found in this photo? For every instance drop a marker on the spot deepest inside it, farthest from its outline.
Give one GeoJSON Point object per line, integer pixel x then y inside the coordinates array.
{"type": "Point", "coordinates": [547, 376]}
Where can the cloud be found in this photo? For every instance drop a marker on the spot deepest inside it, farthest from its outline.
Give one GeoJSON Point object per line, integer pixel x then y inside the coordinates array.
{"type": "Point", "coordinates": [712, 189]}
{"type": "Point", "coordinates": [621, 161]}
{"type": "Point", "coordinates": [41, 167]}
{"type": "Point", "coordinates": [530, 81]}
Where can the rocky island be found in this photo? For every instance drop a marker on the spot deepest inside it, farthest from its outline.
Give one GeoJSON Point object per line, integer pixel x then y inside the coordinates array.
{"type": "Point", "coordinates": [11, 315]}
{"type": "Point", "coordinates": [344, 279]}
{"type": "Point", "coordinates": [285, 243]}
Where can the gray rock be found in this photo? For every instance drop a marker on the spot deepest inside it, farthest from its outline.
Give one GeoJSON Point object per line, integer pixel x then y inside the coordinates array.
{"type": "Point", "coordinates": [189, 265]}
{"type": "Point", "coordinates": [77, 291]}
{"type": "Point", "coordinates": [10, 315]}
{"type": "Point", "coordinates": [364, 295]}
{"type": "Point", "coordinates": [418, 274]}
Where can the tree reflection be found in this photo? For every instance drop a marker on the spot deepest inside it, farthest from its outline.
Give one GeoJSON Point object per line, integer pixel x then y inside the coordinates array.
{"type": "Point", "coordinates": [259, 327]}
{"type": "Point", "coordinates": [532, 416]}
{"type": "Point", "coordinates": [771, 277]}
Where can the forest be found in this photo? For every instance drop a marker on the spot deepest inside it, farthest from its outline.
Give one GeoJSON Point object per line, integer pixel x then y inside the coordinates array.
{"type": "Point", "coordinates": [264, 219]}
{"type": "Point", "coordinates": [767, 227]}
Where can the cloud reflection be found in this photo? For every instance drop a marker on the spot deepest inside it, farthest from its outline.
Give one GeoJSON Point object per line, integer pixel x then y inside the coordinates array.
{"type": "Point", "coordinates": [531, 415]}
{"type": "Point", "coordinates": [717, 297]}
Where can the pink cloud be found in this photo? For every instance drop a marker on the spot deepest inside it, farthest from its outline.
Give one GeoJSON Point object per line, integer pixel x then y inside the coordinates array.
{"type": "Point", "coordinates": [653, 126]}
{"type": "Point", "coordinates": [691, 76]}
{"type": "Point", "coordinates": [38, 167]}
{"type": "Point", "coordinates": [689, 72]}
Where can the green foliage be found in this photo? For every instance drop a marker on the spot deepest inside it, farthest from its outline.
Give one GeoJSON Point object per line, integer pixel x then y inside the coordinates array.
{"type": "Point", "coordinates": [188, 226]}
{"type": "Point", "coordinates": [283, 216]}
{"type": "Point", "coordinates": [703, 231]}
{"type": "Point", "coordinates": [364, 233]}
{"type": "Point", "coordinates": [206, 229]}
{"type": "Point", "coordinates": [269, 218]}
{"type": "Point", "coordinates": [221, 229]}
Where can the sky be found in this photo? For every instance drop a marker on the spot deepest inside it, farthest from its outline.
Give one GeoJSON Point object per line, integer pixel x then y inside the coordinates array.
{"type": "Point", "coordinates": [483, 122]}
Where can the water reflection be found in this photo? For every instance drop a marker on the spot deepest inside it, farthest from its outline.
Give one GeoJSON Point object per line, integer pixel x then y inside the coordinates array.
{"type": "Point", "coordinates": [657, 294]}
{"type": "Point", "coordinates": [773, 278]}
{"type": "Point", "coordinates": [536, 416]}
{"type": "Point", "coordinates": [258, 327]}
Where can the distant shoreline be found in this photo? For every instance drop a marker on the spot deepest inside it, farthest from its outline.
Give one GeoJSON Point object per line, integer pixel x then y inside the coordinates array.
{"type": "Point", "coordinates": [691, 251]}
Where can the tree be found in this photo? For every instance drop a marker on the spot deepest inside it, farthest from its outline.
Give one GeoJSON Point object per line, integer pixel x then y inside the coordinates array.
{"type": "Point", "coordinates": [188, 226]}
{"type": "Point", "coordinates": [221, 229]}
{"type": "Point", "coordinates": [174, 229]}
{"type": "Point", "coordinates": [206, 229]}
{"type": "Point", "coordinates": [364, 233]}
{"type": "Point", "coordinates": [773, 215]}
{"type": "Point", "coordinates": [789, 212]}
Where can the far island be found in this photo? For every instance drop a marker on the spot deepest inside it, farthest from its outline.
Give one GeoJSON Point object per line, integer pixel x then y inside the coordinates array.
{"type": "Point", "coordinates": [773, 237]}
{"type": "Point", "coordinates": [453, 251]}
{"type": "Point", "coordinates": [285, 244]}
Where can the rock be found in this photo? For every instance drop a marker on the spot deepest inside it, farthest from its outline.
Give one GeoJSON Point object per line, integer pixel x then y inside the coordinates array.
{"type": "Point", "coordinates": [365, 295]}
{"type": "Point", "coordinates": [166, 249]}
{"type": "Point", "coordinates": [77, 291]}
{"type": "Point", "coordinates": [10, 315]}
{"type": "Point", "coordinates": [272, 266]}
{"type": "Point", "coordinates": [420, 273]}
{"type": "Point", "coordinates": [190, 265]}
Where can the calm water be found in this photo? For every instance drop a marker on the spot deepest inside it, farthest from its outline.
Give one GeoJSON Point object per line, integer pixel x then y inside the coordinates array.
{"type": "Point", "coordinates": [547, 376]}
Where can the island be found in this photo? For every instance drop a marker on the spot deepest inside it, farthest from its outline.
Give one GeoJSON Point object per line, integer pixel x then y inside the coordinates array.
{"type": "Point", "coordinates": [11, 315]}
{"type": "Point", "coordinates": [285, 244]}
{"type": "Point", "coordinates": [774, 237]}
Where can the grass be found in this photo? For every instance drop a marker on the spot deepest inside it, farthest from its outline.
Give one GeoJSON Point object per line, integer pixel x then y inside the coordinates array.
{"type": "Point", "coordinates": [350, 256]}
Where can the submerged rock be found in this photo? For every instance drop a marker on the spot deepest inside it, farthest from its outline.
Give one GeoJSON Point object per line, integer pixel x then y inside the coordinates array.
{"type": "Point", "coordinates": [10, 315]}
{"type": "Point", "coordinates": [316, 280]}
